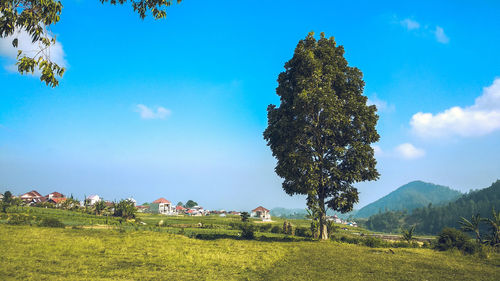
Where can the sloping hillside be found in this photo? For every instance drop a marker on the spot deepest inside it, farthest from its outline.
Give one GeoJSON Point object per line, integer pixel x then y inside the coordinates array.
{"type": "Point", "coordinates": [416, 194]}
{"type": "Point", "coordinates": [432, 219]}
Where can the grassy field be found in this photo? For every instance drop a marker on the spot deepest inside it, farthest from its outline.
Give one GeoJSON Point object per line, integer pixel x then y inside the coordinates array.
{"type": "Point", "coordinates": [209, 248]}
{"type": "Point", "coordinates": [109, 254]}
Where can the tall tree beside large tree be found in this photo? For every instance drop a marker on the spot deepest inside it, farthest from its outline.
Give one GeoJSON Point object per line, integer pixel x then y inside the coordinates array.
{"type": "Point", "coordinates": [37, 16]}
{"type": "Point", "coordinates": [322, 130]}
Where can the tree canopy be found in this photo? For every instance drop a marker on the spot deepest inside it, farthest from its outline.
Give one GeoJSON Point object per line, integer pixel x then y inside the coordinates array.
{"type": "Point", "coordinates": [190, 204]}
{"type": "Point", "coordinates": [36, 18]}
{"type": "Point", "coordinates": [322, 130]}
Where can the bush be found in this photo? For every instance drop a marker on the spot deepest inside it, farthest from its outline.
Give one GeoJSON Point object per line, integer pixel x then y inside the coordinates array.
{"type": "Point", "coordinates": [373, 242]}
{"type": "Point", "coordinates": [303, 232]}
{"type": "Point", "coordinates": [247, 230]}
{"type": "Point", "coordinates": [350, 239]}
{"type": "Point", "coordinates": [51, 222]}
{"type": "Point", "coordinates": [276, 229]}
{"type": "Point", "coordinates": [470, 247]}
{"type": "Point", "coordinates": [400, 244]}
{"type": "Point", "coordinates": [451, 238]}
{"type": "Point", "coordinates": [265, 227]}
{"type": "Point", "coordinates": [18, 219]}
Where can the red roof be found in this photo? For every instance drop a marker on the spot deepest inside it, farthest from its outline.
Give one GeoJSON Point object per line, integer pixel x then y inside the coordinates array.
{"type": "Point", "coordinates": [180, 208]}
{"type": "Point", "coordinates": [161, 200]}
{"type": "Point", "coordinates": [57, 200]}
{"type": "Point", "coordinates": [31, 194]}
{"type": "Point", "coordinates": [260, 209]}
{"type": "Point", "coordinates": [55, 194]}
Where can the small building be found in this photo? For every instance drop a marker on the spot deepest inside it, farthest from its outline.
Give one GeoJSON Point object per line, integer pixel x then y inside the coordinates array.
{"type": "Point", "coordinates": [262, 213]}
{"type": "Point", "coordinates": [92, 199]}
{"type": "Point", "coordinates": [32, 197]}
{"type": "Point", "coordinates": [56, 200]}
{"type": "Point", "coordinates": [54, 194]}
{"type": "Point", "coordinates": [180, 209]}
{"type": "Point", "coordinates": [142, 209]}
{"type": "Point", "coordinates": [162, 206]}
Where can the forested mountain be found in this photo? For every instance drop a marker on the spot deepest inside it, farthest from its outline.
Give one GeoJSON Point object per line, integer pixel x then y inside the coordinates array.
{"type": "Point", "coordinates": [416, 194]}
{"type": "Point", "coordinates": [432, 219]}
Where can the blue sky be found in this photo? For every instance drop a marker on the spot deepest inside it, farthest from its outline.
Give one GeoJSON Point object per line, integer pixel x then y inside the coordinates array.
{"type": "Point", "coordinates": [176, 108]}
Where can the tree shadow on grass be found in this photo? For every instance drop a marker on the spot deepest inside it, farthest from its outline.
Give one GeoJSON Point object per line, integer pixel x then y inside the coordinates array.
{"type": "Point", "coordinates": [208, 236]}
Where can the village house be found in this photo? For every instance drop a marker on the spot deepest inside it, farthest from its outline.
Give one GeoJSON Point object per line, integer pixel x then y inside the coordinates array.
{"type": "Point", "coordinates": [92, 199]}
{"type": "Point", "coordinates": [197, 211]}
{"type": "Point", "coordinates": [262, 213]}
{"type": "Point", "coordinates": [56, 200]}
{"type": "Point", "coordinates": [162, 206]}
{"type": "Point", "coordinates": [180, 209]}
{"type": "Point", "coordinates": [54, 194]}
{"type": "Point", "coordinates": [142, 209]}
{"type": "Point", "coordinates": [32, 197]}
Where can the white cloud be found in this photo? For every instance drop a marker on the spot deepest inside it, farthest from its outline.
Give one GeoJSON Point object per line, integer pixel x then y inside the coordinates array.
{"type": "Point", "coordinates": [441, 36]}
{"type": "Point", "coordinates": [148, 113]}
{"type": "Point", "coordinates": [382, 106]}
{"type": "Point", "coordinates": [378, 150]}
{"type": "Point", "coordinates": [477, 120]}
{"type": "Point", "coordinates": [425, 31]}
{"type": "Point", "coordinates": [408, 151]}
{"type": "Point", "coordinates": [55, 52]}
{"type": "Point", "coordinates": [410, 24]}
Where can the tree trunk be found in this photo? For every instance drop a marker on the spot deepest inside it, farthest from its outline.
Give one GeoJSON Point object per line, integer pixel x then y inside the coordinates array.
{"type": "Point", "coordinates": [323, 230]}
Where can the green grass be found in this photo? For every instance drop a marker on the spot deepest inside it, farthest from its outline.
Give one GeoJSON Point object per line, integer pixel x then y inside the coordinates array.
{"type": "Point", "coordinates": [40, 253]}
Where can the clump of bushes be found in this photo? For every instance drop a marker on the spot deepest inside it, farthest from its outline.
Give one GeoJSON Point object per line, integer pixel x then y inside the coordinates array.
{"type": "Point", "coordinates": [303, 232]}
{"type": "Point", "coordinates": [265, 227]}
{"type": "Point", "coordinates": [247, 230]}
{"type": "Point", "coordinates": [288, 228]}
{"type": "Point", "coordinates": [19, 219]}
{"type": "Point", "coordinates": [450, 238]}
{"type": "Point", "coordinates": [276, 229]}
{"type": "Point", "coordinates": [51, 222]}
{"type": "Point", "coordinates": [374, 242]}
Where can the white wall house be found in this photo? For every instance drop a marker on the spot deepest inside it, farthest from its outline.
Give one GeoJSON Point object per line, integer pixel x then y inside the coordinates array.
{"type": "Point", "coordinates": [92, 199]}
{"type": "Point", "coordinates": [262, 213]}
{"type": "Point", "coordinates": [162, 206]}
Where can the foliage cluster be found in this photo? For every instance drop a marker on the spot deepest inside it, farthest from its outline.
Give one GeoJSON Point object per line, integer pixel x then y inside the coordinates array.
{"type": "Point", "coordinates": [322, 130]}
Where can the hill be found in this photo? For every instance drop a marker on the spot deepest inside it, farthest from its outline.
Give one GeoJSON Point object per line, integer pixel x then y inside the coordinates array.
{"type": "Point", "coordinates": [432, 219]}
{"type": "Point", "coordinates": [416, 194]}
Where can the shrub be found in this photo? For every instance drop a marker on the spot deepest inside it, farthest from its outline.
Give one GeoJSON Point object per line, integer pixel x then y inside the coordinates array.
{"type": "Point", "coordinates": [400, 244]}
{"type": "Point", "coordinates": [470, 247]}
{"type": "Point", "coordinates": [276, 229]}
{"type": "Point", "coordinates": [18, 219]}
{"type": "Point", "coordinates": [265, 227]}
{"type": "Point", "coordinates": [51, 222]}
{"type": "Point", "coordinates": [451, 238]}
{"type": "Point", "coordinates": [247, 230]}
{"type": "Point", "coordinates": [373, 242]}
{"type": "Point", "coordinates": [331, 228]}
{"type": "Point", "coordinates": [303, 232]}
{"type": "Point", "coordinates": [351, 239]}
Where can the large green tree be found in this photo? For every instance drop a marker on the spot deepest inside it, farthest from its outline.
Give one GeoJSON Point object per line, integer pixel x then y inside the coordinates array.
{"type": "Point", "coordinates": [37, 16]}
{"type": "Point", "coordinates": [322, 130]}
